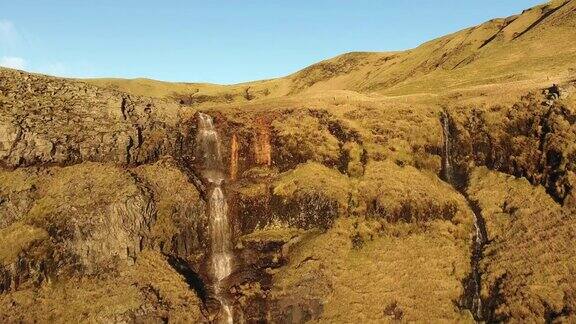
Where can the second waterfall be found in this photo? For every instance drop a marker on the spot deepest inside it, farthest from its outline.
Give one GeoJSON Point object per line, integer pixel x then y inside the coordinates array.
{"type": "Point", "coordinates": [208, 151]}
{"type": "Point", "coordinates": [474, 302]}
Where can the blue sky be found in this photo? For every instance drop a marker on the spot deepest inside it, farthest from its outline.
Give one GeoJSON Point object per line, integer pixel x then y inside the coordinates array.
{"type": "Point", "coordinates": [220, 41]}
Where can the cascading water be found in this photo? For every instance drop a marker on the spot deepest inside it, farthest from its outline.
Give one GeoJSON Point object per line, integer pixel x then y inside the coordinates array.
{"type": "Point", "coordinates": [475, 304]}
{"type": "Point", "coordinates": [221, 246]}
{"type": "Point", "coordinates": [208, 146]}
{"type": "Point", "coordinates": [447, 160]}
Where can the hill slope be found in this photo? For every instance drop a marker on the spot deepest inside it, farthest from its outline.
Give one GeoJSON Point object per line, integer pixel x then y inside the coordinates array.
{"type": "Point", "coordinates": [534, 45]}
{"type": "Point", "coordinates": [433, 184]}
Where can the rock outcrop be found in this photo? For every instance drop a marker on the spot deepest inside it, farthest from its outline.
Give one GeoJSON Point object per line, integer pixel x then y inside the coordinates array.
{"type": "Point", "coordinates": [529, 139]}
{"type": "Point", "coordinates": [53, 121]}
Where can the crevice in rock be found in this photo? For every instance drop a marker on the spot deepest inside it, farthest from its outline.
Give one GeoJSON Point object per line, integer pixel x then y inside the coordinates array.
{"type": "Point", "coordinates": [192, 278]}
{"type": "Point", "coordinates": [123, 107]}
{"type": "Point", "coordinates": [185, 158]}
{"type": "Point", "coordinates": [306, 260]}
{"type": "Point", "coordinates": [550, 159]}
{"type": "Point", "coordinates": [193, 178]}
{"type": "Point", "coordinates": [150, 209]}
{"type": "Point", "coordinates": [16, 140]}
{"type": "Point", "coordinates": [465, 61]}
{"type": "Point", "coordinates": [472, 299]}
{"type": "Point", "coordinates": [531, 140]}
{"type": "Point", "coordinates": [128, 148]}
{"type": "Point", "coordinates": [494, 299]}
{"type": "Point", "coordinates": [551, 315]}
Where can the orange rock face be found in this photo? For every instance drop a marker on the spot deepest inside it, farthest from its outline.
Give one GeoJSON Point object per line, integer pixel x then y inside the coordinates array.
{"type": "Point", "coordinates": [234, 158]}
{"type": "Point", "coordinates": [262, 147]}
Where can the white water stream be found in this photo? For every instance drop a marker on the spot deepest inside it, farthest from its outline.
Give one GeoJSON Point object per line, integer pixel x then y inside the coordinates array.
{"type": "Point", "coordinates": [449, 176]}
{"type": "Point", "coordinates": [222, 258]}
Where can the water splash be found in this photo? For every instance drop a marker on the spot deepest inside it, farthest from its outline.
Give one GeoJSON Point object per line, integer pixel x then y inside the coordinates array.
{"type": "Point", "coordinates": [208, 144]}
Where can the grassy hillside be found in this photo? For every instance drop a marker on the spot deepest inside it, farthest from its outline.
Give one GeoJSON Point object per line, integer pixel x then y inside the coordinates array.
{"type": "Point", "coordinates": [536, 45]}
{"type": "Point", "coordinates": [340, 198]}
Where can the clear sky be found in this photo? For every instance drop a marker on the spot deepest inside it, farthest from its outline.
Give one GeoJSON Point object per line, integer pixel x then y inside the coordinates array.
{"type": "Point", "coordinates": [220, 41]}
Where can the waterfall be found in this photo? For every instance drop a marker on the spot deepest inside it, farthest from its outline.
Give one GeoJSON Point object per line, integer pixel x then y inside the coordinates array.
{"type": "Point", "coordinates": [480, 236]}
{"type": "Point", "coordinates": [447, 159]}
{"type": "Point", "coordinates": [221, 245]}
{"type": "Point", "coordinates": [479, 241]}
{"type": "Point", "coordinates": [208, 146]}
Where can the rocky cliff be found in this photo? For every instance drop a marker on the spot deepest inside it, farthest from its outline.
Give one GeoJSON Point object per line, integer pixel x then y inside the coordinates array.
{"type": "Point", "coordinates": [334, 205]}
{"type": "Point", "coordinates": [344, 206]}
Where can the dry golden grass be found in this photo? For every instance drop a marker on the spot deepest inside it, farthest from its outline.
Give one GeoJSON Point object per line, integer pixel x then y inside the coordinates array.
{"type": "Point", "coordinates": [193, 93]}
{"type": "Point", "coordinates": [401, 273]}
{"type": "Point", "coordinates": [313, 178]}
{"type": "Point", "coordinates": [535, 46]}
{"type": "Point", "coordinates": [306, 139]}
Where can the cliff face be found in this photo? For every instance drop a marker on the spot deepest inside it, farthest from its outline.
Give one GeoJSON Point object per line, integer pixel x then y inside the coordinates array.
{"type": "Point", "coordinates": [533, 138]}
{"type": "Point", "coordinates": [329, 200]}
{"type": "Point", "coordinates": [343, 206]}
{"type": "Point", "coordinates": [53, 121]}
{"type": "Point", "coordinates": [87, 227]}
